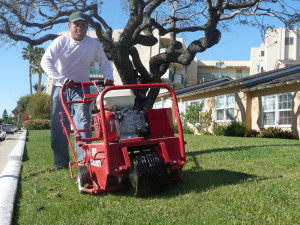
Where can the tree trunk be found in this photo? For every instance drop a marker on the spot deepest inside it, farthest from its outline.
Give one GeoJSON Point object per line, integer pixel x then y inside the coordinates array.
{"type": "Point", "coordinates": [30, 78]}
{"type": "Point", "coordinates": [39, 89]}
{"type": "Point", "coordinates": [129, 75]}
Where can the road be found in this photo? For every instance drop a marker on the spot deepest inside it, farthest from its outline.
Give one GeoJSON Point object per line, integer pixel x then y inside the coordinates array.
{"type": "Point", "coordinates": [6, 147]}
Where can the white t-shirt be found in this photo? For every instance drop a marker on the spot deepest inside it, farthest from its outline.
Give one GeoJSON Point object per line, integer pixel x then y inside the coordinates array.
{"type": "Point", "coordinates": [66, 58]}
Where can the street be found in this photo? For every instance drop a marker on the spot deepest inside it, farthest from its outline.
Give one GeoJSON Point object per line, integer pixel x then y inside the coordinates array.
{"type": "Point", "coordinates": [6, 148]}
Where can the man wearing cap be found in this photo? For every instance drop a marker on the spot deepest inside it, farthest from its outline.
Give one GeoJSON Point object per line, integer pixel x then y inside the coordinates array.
{"type": "Point", "coordinates": [67, 61]}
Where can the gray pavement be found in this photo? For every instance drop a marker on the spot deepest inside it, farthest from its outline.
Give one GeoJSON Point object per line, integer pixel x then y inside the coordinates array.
{"type": "Point", "coordinates": [11, 155]}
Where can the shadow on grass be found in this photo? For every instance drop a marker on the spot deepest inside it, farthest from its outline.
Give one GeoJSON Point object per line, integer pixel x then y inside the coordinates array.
{"type": "Point", "coordinates": [25, 154]}
{"type": "Point", "coordinates": [196, 181]}
{"type": "Point", "coordinates": [203, 180]}
{"type": "Point", "coordinates": [201, 152]}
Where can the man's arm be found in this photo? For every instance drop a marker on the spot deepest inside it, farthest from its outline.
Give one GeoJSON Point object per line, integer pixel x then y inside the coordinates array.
{"type": "Point", "coordinates": [49, 60]}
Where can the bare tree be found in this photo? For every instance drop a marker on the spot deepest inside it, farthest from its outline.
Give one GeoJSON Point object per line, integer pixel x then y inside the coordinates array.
{"type": "Point", "coordinates": [31, 21]}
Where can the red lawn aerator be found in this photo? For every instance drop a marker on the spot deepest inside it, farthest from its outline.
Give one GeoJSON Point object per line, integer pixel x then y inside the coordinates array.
{"type": "Point", "coordinates": [130, 148]}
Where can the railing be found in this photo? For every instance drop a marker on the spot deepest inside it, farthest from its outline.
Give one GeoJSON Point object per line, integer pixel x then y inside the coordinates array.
{"type": "Point", "coordinates": [213, 76]}
{"type": "Point", "coordinates": [168, 75]}
{"type": "Point", "coordinates": [176, 79]}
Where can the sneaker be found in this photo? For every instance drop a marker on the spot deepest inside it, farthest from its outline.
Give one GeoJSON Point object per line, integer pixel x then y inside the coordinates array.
{"type": "Point", "coordinates": [59, 167]}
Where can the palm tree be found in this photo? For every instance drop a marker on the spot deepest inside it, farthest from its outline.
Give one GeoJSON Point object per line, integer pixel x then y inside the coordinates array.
{"type": "Point", "coordinates": [28, 54]}
{"type": "Point", "coordinates": [34, 55]}
{"type": "Point", "coordinates": [36, 66]}
{"type": "Point", "coordinates": [37, 88]}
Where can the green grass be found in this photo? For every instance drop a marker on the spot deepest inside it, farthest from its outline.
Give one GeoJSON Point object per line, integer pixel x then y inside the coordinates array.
{"type": "Point", "coordinates": [228, 180]}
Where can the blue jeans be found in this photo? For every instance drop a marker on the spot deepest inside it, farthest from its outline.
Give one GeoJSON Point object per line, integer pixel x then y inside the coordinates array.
{"type": "Point", "coordinates": [81, 118]}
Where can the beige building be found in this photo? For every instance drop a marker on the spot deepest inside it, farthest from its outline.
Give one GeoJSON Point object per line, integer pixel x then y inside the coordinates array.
{"type": "Point", "coordinates": [280, 49]}
{"type": "Point", "coordinates": [270, 99]}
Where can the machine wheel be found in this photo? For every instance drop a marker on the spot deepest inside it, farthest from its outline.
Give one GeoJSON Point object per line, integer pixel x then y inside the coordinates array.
{"type": "Point", "coordinates": [175, 174]}
{"type": "Point", "coordinates": [83, 177]}
{"type": "Point", "coordinates": [146, 173]}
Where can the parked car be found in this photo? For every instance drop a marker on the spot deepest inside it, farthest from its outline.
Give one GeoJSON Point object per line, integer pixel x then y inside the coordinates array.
{"type": "Point", "coordinates": [8, 128]}
{"type": "Point", "coordinates": [2, 133]}
{"type": "Point", "coordinates": [15, 127]}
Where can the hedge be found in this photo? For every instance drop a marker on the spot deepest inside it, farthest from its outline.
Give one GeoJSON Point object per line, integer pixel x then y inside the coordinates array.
{"type": "Point", "coordinates": [38, 124]}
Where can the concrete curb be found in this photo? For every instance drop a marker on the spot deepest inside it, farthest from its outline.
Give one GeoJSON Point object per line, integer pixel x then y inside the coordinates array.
{"type": "Point", "coordinates": [9, 181]}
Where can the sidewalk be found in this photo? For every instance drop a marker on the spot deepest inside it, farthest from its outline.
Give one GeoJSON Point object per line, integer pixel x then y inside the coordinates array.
{"type": "Point", "coordinates": [10, 175]}
{"type": "Point", "coordinates": [6, 148]}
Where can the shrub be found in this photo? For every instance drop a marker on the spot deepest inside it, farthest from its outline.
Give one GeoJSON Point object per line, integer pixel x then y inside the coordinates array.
{"type": "Point", "coordinates": [175, 128]}
{"type": "Point", "coordinates": [219, 130]}
{"type": "Point", "coordinates": [236, 129]}
{"type": "Point", "coordinates": [185, 129]}
{"type": "Point", "coordinates": [204, 132]}
{"type": "Point", "coordinates": [273, 132]}
{"type": "Point", "coordinates": [251, 133]}
{"type": "Point", "coordinates": [192, 113]}
{"type": "Point", "coordinates": [38, 124]}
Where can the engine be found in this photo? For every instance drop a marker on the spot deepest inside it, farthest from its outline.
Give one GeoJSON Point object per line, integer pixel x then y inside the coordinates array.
{"type": "Point", "coordinates": [124, 122]}
{"type": "Point", "coordinates": [121, 123]}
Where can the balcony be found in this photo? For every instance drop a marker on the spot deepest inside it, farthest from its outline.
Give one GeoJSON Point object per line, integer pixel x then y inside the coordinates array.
{"type": "Point", "coordinates": [203, 77]}
{"type": "Point", "coordinates": [179, 81]}
{"type": "Point", "coordinates": [175, 80]}
{"type": "Point", "coordinates": [168, 77]}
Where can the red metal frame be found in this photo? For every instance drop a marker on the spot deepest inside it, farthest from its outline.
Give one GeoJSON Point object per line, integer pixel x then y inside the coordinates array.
{"type": "Point", "coordinates": [112, 148]}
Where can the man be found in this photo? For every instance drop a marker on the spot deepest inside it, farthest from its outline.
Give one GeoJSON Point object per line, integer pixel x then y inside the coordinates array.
{"type": "Point", "coordinates": [67, 61]}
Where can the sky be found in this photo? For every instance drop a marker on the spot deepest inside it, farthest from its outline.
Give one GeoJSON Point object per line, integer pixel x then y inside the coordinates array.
{"type": "Point", "coordinates": [14, 71]}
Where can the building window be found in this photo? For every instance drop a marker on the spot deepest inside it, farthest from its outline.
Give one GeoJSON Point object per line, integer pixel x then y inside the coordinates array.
{"type": "Point", "coordinates": [262, 69]}
{"type": "Point", "coordinates": [239, 70]}
{"type": "Point", "coordinates": [277, 110]}
{"type": "Point", "coordinates": [289, 41]}
{"type": "Point", "coordinates": [262, 53]}
{"type": "Point", "coordinates": [95, 70]}
{"type": "Point", "coordinates": [158, 105]}
{"type": "Point", "coordinates": [225, 108]}
{"type": "Point", "coordinates": [198, 102]}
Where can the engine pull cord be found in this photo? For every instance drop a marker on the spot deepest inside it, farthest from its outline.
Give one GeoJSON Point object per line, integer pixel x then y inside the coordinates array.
{"type": "Point", "coordinates": [127, 109]}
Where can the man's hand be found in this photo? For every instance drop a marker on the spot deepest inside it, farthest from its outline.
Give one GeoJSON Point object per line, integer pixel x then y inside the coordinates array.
{"type": "Point", "coordinates": [108, 82]}
{"type": "Point", "coordinates": [69, 84]}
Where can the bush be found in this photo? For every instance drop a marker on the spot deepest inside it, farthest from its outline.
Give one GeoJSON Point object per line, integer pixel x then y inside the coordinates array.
{"type": "Point", "coordinates": [236, 129]}
{"type": "Point", "coordinates": [185, 129]}
{"type": "Point", "coordinates": [273, 132]}
{"type": "Point", "coordinates": [39, 106]}
{"type": "Point", "coordinates": [38, 124]}
{"type": "Point", "coordinates": [192, 113]}
{"type": "Point", "coordinates": [204, 132]}
{"type": "Point", "coordinates": [175, 128]}
{"type": "Point", "coordinates": [251, 133]}
{"type": "Point", "coordinates": [219, 130]}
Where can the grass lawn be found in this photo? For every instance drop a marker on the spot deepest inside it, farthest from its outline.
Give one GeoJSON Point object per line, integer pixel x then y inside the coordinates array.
{"type": "Point", "coordinates": [228, 180]}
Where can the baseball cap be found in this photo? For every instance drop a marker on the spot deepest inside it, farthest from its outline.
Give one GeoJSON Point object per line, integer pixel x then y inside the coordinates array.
{"type": "Point", "coordinates": [77, 16]}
